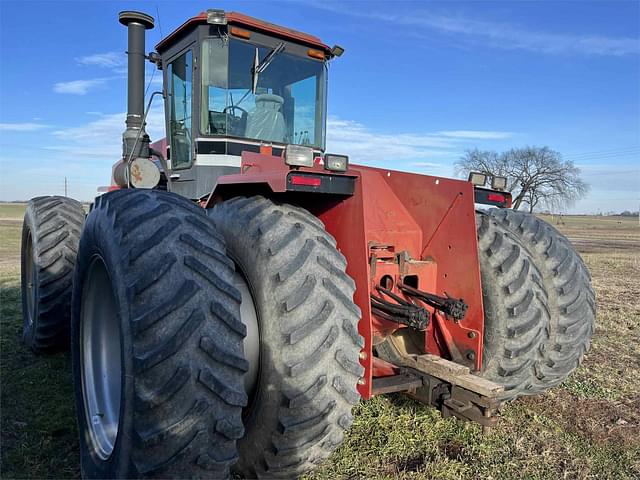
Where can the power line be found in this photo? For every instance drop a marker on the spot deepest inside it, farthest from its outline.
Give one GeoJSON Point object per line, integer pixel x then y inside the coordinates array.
{"type": "Point", "coordinates": [605, 153]}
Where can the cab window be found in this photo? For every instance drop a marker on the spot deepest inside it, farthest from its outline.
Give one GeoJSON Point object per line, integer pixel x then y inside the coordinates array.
{"type": "Point", "coordinates": [180, 76]}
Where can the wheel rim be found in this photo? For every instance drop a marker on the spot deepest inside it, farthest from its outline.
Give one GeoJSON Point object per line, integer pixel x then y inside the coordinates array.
{"type": "Point", "coordinates": [30, 278]}
{"type": "Point", "coordinates": [101, 354]}
{"type": "Point", "coordinates": [249, 317]}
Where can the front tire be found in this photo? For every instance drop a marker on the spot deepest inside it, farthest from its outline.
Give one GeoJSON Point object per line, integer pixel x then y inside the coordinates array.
{"type": "Point", "coordinates": [308, 339]}
{"type": "Point", "coordinates": [50, 236]}
{"type": "Point", "coordinates": [156, 341]}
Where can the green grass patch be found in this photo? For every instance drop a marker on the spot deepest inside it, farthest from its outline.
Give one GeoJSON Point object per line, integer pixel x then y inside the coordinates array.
{"type": "Point", "coordinates": [589, 427]}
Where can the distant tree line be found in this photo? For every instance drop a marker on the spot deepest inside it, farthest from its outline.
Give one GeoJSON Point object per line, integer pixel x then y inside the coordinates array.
{"type": "Point", "coordinates": [536, 176]}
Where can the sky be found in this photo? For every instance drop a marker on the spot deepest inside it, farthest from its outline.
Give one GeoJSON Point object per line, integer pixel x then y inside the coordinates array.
{"type": "Point", "coordinates": [419, 84]}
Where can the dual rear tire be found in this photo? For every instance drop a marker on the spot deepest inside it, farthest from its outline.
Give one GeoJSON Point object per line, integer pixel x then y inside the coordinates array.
{"type": "Point", "coordinates": [50, 235]}
{"type": "Point", "coordinates": [157, 341]}
{"type": "Point", "coordinates": [539, 304]}
{"type": "Point", "coordinates": [194, 339]}
{"type": "Point", "coordinates": [300, 404]}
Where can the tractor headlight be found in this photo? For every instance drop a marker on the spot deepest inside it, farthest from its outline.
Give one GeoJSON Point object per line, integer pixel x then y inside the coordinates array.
{"type": "Point", "coordinates": [478, 179]}
{"type": "Point", "coordinates": [336, 163]}
{"type": "Point", "coordinates": [499, 183]}
{"type": "Point", "coordinates": [298, 156]}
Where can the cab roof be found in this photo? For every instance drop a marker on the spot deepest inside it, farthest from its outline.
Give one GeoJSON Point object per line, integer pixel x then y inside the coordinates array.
{"type": "Point", "coordinates": [239, 19]}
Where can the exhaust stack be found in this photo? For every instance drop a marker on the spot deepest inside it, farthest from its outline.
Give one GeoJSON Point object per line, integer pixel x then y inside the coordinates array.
{"type": "Point", "coordinates": [136, 23]}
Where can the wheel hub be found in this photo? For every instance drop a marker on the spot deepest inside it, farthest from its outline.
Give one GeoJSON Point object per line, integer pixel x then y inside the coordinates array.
{"type": "Point", "coordinates": [249, 317]}
{"type": "Point", "coordinates": [30, 278]}
{"type": "Point", "coordinates": [101, 353]}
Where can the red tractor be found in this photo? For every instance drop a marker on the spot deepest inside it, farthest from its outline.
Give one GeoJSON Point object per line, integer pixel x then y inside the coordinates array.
{"type": "Point", "coordinates": [239, 289]}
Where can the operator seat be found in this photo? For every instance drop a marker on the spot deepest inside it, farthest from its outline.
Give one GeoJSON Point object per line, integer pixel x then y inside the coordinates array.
{"type": "Point", "coordinates": [266, 122]}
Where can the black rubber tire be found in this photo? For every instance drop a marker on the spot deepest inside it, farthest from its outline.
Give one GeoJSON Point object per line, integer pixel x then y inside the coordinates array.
{"type": "Point", "coordinates": [516, 317]}
{"type": "Point", "coordinates": [571, 299]}
{"type": "Point", "coordinates": [309, 342]}
{"type": "Point", "coordinates": [52, 227]}
{"type": "Point", "coordinates": [182, 351]}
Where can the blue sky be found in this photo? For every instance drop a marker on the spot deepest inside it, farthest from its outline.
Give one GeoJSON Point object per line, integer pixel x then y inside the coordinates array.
{"type": "Point", "coordinates": [420, 83]}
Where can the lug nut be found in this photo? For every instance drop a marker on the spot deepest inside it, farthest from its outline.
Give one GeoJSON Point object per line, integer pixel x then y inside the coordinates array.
{"type": "Point", "coordinates": [472, 334]}
{"type": "Point", "coordinates": [362, 381]}
{"type": "Point", "coordinates": [363, 355]}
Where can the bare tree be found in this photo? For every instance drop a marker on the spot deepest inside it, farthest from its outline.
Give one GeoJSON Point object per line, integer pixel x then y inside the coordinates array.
{"type": "Point", "coordinates": [535, 176]}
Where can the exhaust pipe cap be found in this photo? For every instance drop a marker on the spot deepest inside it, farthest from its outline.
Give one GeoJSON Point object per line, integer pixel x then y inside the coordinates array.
{"type": "Point", "coordinates": [129, 16]}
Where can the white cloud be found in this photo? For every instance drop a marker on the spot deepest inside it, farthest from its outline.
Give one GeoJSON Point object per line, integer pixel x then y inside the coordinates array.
{"type": "Point", "coordinates": [102, 138]}
{"type": "Point", "coordinates": [501, 35]}
{"type": "Point", "coordinates": [79, 87]}
{"type": "Point", "coordinates": [514, 37]}
{"type": "Point", "coordinates": [108, 59]}
{"type": "Point", "coordinates": [431, 152]}
{"type": "Point", "coordinates": [21, 127]}
{"type": "Point", "coordinates": [426, 165]}
{"type": "Point", "coordinates": [475, 134]}
{"type": "Point", "coordinates": [83, 154]}
{"type": "Point", "coordinates": [612, 177]}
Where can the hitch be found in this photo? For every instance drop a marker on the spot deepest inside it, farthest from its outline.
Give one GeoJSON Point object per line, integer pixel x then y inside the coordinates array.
{"type": "Point", "coordinates": [447, 386]}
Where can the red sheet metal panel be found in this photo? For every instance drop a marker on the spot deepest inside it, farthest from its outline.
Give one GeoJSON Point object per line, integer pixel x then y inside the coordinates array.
{"type": "Point", "coordinates": [445, 211]}
{"type": "Point", "coordinates": [430, 219]}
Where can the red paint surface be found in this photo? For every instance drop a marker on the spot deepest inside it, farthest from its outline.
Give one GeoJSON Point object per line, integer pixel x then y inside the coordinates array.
{"type": "Point", "coordinates": [235, 18]}
{"type": "Point", "coordinates": [431, 219]}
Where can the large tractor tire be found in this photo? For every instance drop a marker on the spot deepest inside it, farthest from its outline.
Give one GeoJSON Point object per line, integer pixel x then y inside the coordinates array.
{"type": "Point", "coordinates": [50, 235]}
{"type": "Point", "coordinates": [570, 296]}
{"type": "Point", "coordinates": [307, 352]}
{"type": "Point", "coordinates": [157, 341]}
{"type": "Point", "coordinates": [515, 315]}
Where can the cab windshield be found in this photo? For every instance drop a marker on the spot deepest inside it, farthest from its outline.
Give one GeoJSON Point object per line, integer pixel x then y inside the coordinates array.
{"type": "Point", "coordinates": [289, 101]}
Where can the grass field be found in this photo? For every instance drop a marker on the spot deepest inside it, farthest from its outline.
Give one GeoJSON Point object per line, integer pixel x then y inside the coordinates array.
{"type": "Point", "coordinates": [589, 427]}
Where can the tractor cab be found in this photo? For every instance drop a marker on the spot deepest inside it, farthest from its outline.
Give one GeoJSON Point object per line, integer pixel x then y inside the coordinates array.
{"type": "Point", "coordinates": [236, 84]}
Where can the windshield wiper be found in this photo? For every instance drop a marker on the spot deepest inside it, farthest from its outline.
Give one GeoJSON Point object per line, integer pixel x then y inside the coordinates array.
{"type": "Point", "coordinates": [260, 67]}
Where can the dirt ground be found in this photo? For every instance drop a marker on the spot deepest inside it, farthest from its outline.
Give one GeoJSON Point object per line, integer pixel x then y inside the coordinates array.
{"type": "Point", "coordinates": [588, 427]}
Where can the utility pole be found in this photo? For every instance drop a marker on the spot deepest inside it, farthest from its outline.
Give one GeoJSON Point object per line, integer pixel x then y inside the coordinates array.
{"type": "Point", "coordinates": [65, 186]}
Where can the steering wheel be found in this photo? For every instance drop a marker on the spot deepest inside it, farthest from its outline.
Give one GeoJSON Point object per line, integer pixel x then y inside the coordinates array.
{"type": "Point", "coordinates": [235, 107]}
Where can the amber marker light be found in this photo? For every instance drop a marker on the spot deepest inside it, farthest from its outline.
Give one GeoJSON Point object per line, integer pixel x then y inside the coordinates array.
{"type": "Point", "coordinates": [315, 54]}
{"type": "Point", "coordinates": [239, 32]}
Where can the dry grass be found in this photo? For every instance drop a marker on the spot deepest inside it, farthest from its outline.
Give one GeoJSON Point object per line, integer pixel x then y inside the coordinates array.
{"type": "Point", "coordinates": [589, 427]}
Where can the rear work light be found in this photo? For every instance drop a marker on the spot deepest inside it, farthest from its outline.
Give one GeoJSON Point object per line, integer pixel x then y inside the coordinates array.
{"type": "Point", "coordinates": [298, 156]}
{"type": "Point", "coordinates": [478, 179]}
{"type": "Point", "coordinates": [336, 163]}
{"type": "Point", "coordinates": [305, 180]}
{"type": "Point", "coordinates": [499, 183]}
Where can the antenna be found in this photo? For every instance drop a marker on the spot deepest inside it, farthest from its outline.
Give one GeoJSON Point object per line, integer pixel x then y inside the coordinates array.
{"type": "Point", "coordinates": [159, 22]}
